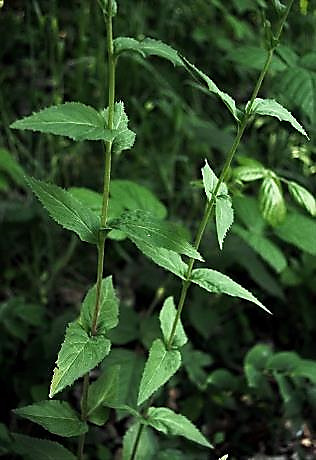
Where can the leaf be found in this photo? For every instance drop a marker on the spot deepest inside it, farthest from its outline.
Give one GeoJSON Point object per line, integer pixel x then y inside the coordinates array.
{"type": "Point", "coordinates": [167, 316]}
{"type": "Point", "coordinates": [109, 308]}
{"type": "Point", "coordinates": [147, 447]}
{"type": "Point", "coordinates": [123, 138]}
{"type": "Point", "coordinates": [11, 167]}
{"type": "Point", "coordinates": [258, 356]}
{"type": "Point", "coordinates": [303, 197]}
{"type": "Point", "coordinates": [79, 354]}
{"type": "Point", "coordinates": [159, 368]}
{"type": "Point", "coordinates": [271, 201]}
{"type": "Point", "coordinates": [305, 368]}
{"type": "Point", "coordinates": [55, 416]}
{"type": "Point", "coordinates": [210, 181]}
{"type": "Point", "coordinates": [39, 449]}
{"type": "Point", "coordinates": [218, 283]}
{"type": "Point", "coordinates": [72, 119]}
{"type": "Point", "coordinates": [224, 217]}
{"type": "Point", "coordinates": [249, 173]}
{"type": "Point", "coordinates": [194, 361]}
{"type": "Point", "coordinates": [170, 423]}
{"type": "Point", "coordinates": [144, 227]}
{"type": "Point", "coordinates": [254, 57]}
{"type": "Point", "coordinates": [300, 231]}
{"type": "Point", "coordinates": [66, 210]}
{"type": "Point", "coordinates": [284, 361]}
{"type": "Point", "coordinates": [274, 109]}
{"type": "Point", "coordinates": [228, 100]}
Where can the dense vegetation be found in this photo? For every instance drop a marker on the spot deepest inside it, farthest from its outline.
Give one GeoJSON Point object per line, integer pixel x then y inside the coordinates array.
{"type": "Point", "coordinates": [245, 378]}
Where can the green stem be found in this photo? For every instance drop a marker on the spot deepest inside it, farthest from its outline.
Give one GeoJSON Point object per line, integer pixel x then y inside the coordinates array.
{"type": "Point", "coordinates": [104, 211]}
{"type": "Point", "coordinates": [137, 439]}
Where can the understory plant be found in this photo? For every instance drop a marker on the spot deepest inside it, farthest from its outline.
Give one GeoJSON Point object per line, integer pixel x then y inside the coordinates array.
{"type": "Point", "coordinates": [125, 210]}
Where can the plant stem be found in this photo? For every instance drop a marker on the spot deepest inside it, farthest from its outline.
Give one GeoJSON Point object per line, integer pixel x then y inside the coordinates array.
{"type": "Point", "coordinates": [104, 211]}
{"type": "Point", "coordinates": [137, 439]}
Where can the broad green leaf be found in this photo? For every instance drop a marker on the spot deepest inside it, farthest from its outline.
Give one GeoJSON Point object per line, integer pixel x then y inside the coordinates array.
{"type": "Point", "coordinates": [259, 355]}
{"type": "Point", "coordinates": [103, 392]}
{"type": "Point", "coordinates": [300, 231]}
{"type": "Point", "coordinates": [144, 227]}
{"type": "Point", "coordinates": [123, 138]}
{"type": "Point", "coordinates": [274, 109]}
{"type": "Point", "coordinates": [305, 368]}
{"type": "Point", "coordinates": [223, 380]}
{"type": "Point", "coordinates": [109, 308]}
{"type": "Point", "coordinates": [159, 368]}
{"type": "Point", "coordinates": [11, 167]}
{"type": "Point", "coordinates": [170, 423]}
{"type": "Point", "coordinates": [93, 200]}
{"type": "Point", "coordinates": [167, 316]}
{"type": "Point", "coordinates": [72, 119]}
{"type": "Point", "coordinates": [284, 361]}
{"type": "Point", "coordinates": [247, 210]}
{"type": "Point", "coordinates": [218, 283]}
{"type": "Point", "coordinates": [254, 57]}
{"type": "Point", "coordinates": [213, 88]}
{"type": "Point", "coordinates": [127, 329]}
{"type": "Point", "coordinates": [303, 197]}
{"type": "Point", "coordinates": [194, 362]}
{"type": "Point", "coordinates": [79, 354]}
{"type": "Point", "coordinates": [147, 447]}
{"type": "Point", "coordinates": [249, 173]}
{"type": "Point", "coordinates": [224, 217]}
{"type": "Point", "coordinates": [40, 449]}
{"type": "Point", "coordinates": [58, 417]}
{"type": "Point", "coordinates": [272, 205]}
{"type": "Point", "coordinates": [66, 210]}
{"type": "Point", "coordinates": [147, 47]}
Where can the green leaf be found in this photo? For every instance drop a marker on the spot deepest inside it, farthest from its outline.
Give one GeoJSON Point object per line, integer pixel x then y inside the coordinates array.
{"type": "Point", "coordinates": [66, 210]}
{"type": "Point", "coordinates": [303, 197]}
{"type": "Point", "coordinates": [254, 57]}
{"type": "Point", "coordinates": [144, 227]}
{"type": "Point", "coordinates": [274, 109]}
{"type": "Point", "coordinates": [39, 449]}
{"type": "Point", "coordinates": [147, 447]}
{"type": "Point", "coordinates": [300, 231]}
{"type": "Point", "coordinates": [249, 173]}
{"type": "Point", "coordinates": [271, 201]}
{"type": "Point", "coordinates": [103, 392]}
{"type": "Point", "coordinates": [167, 316]}
{"type": "Point", "coordinates": [218, 283]}
{"type": "Point", "coordinates": [258, 356]}
{"type": "Point", "coordinates": [73, 119]}
{"type": "Point", "coordinates": [170, 423]}
{"type": "Point", "coordinates": [11, 167]}
{"type": "Point", "coordinates": [159, 368]}
{"type": "Point", "coordinates": [305, 368]}
{"type": "Point", "coordinates": [123, 138]}
{"type": "Point", "coordinates": [194, 361]}
{"type": "Point", "coordinates": [147, 47]}
{"type": "Point", "coordinates": [109, 308]}
{"type": "Point", "coordinates": [224, 217]}
{"type": "Point", "coordinates": [284, 361]}
{"type": "Point", "coordinates": [212, 87]}
{"type": "Point", "coordinates": [55, 416]}
{"type": "Point", "coordinates": [79, 354]}
{"type": "Point", "coordinates": [210, 181]}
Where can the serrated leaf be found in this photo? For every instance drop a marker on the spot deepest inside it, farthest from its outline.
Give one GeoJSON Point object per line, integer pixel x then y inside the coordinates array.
{"type": "Point", "coordinates": [39, 449]}
{"type": "Point", "coordinates": [109, 308]}
{"type": "Point", "coordinates": [303, 197]}
{"type": "Point", "coordinates": [210, 181]}
{"type": "Point", "coordinates": [300, 231]}
{"type": "Point", "coordinates": [159, 368]}
{"type": "Point", "coordinates": [224, 217]}
{"type": "Point", "coordinates": [274, 109]}
{"type": "Point", "coordinates": [79, 354]}
{"type": "Point", "coordinates": [218, 283]}
{"type": "Point", "coordinates": [11, 167]}
{"type": "Point", "coordinates": [213, 88]}
{"type": "Point", "coordinates": [144, 227]}
{"type": "Point", "coordinates": [72, 119]}
{"type": "Point", "coordinates": [147, 446]}
{"type": "Point", "coordinates": [249, 173]}
{"type": "Point", "coordinates": [123, 137]}
{"type": "Point", "coordinates": [170, 423]}
{"type": "Point", "coordinates": [166, 317]}
{"type": "Point", "coordinates": [271, 201]}
{"type": "Point", "coordinates": [58, 417]}
{"type": "Point", "coordinates": [66, 210]}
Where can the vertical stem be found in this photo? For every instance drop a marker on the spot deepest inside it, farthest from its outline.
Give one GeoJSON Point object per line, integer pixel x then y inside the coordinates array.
{"type": "Point", "coordinates": [104, 211]}
{"type": "Point", "coordinates": [137, 439]}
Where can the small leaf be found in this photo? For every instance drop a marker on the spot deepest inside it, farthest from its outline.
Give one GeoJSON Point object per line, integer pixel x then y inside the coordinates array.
{"type": "Point", "coordinates": [72, 119]}
{"type": "Point", "coordinates": [170, 423]}
{"type": "Point", "coordinates": [216, 282]}
{"type": "Point", "coordinates": [210, 181]}
{"type": "Point", "coordinates": [303, 197]}
{"type": "Point", "coordinates": [224, 217]}
{"type": "Point", "coordinates": [159, 368]}
{"type": "Point", "coordinates": [79, 354]}
{"type": "Point", "coordinates": [39, 449]}
{"type": "Point", "coordinates": [300, 231]}
{"type": "Point", "coordinates": [55, 416]}
{"type": "Point", "coordinates": [66, 210]}
{"type": "Point", "coordinates": [123, 138]}
{"type": "Point", "coordinates": [249, 173]}
{"type": "Point", "coordinates": [147, 446]}
{"type": "Point", "coordinates": [144, 227]}
{"type": "Point", "coordinates": [274, 109]}
{"type": "Point", "coordinates": [109, 308]}
{"type": "Point", "coordinates": [271, 201]}
{"type": "Point", "coordinates": [167, 316]}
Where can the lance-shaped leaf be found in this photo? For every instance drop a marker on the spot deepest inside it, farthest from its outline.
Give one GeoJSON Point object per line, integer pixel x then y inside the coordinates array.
{"type": "Point", "coordinates": [303, 197]}
{"type": "Point", "coordinates": [224, 217]}
{"type": "Point", "coordinates": [72, 119]}
{"type": "Point", "coordinates": [144, 227]}
{"type": "Point", "coordinates": [167, 317]}
{"type": "Point", "coordinates": [300, 231]}
{"type": "Point", "coordinates": [213, 88]}
{"type": "Point", "coordinates": [79, 354]}
{"type": "Point", "coordinates": [249, 173]}
{"type": "Point", "coordinates": [39, 449]}
{"type": "Point", "coordinates": [123, 137]}
{"type": "Point", "coordinates": [58, 417]}
{"type": "Point", "coordinates": [210, 181]}
{"type": "Point", "coordinates": [271, 201]}
{"type": "Point", "coordinates": [109, 308]}
{"type": "Point", "coordinates": [159, 368]}
{"type": "Point", "coordinates": [218, 283]}
{"type": "Point", "coordinates": [170, 423]}
{"type": "Point", "coordinates": [66, 210]}
{"type": "Point", "coordinates": [147, 444]}
{"type": "Point", "coordinates": [274, 109]}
